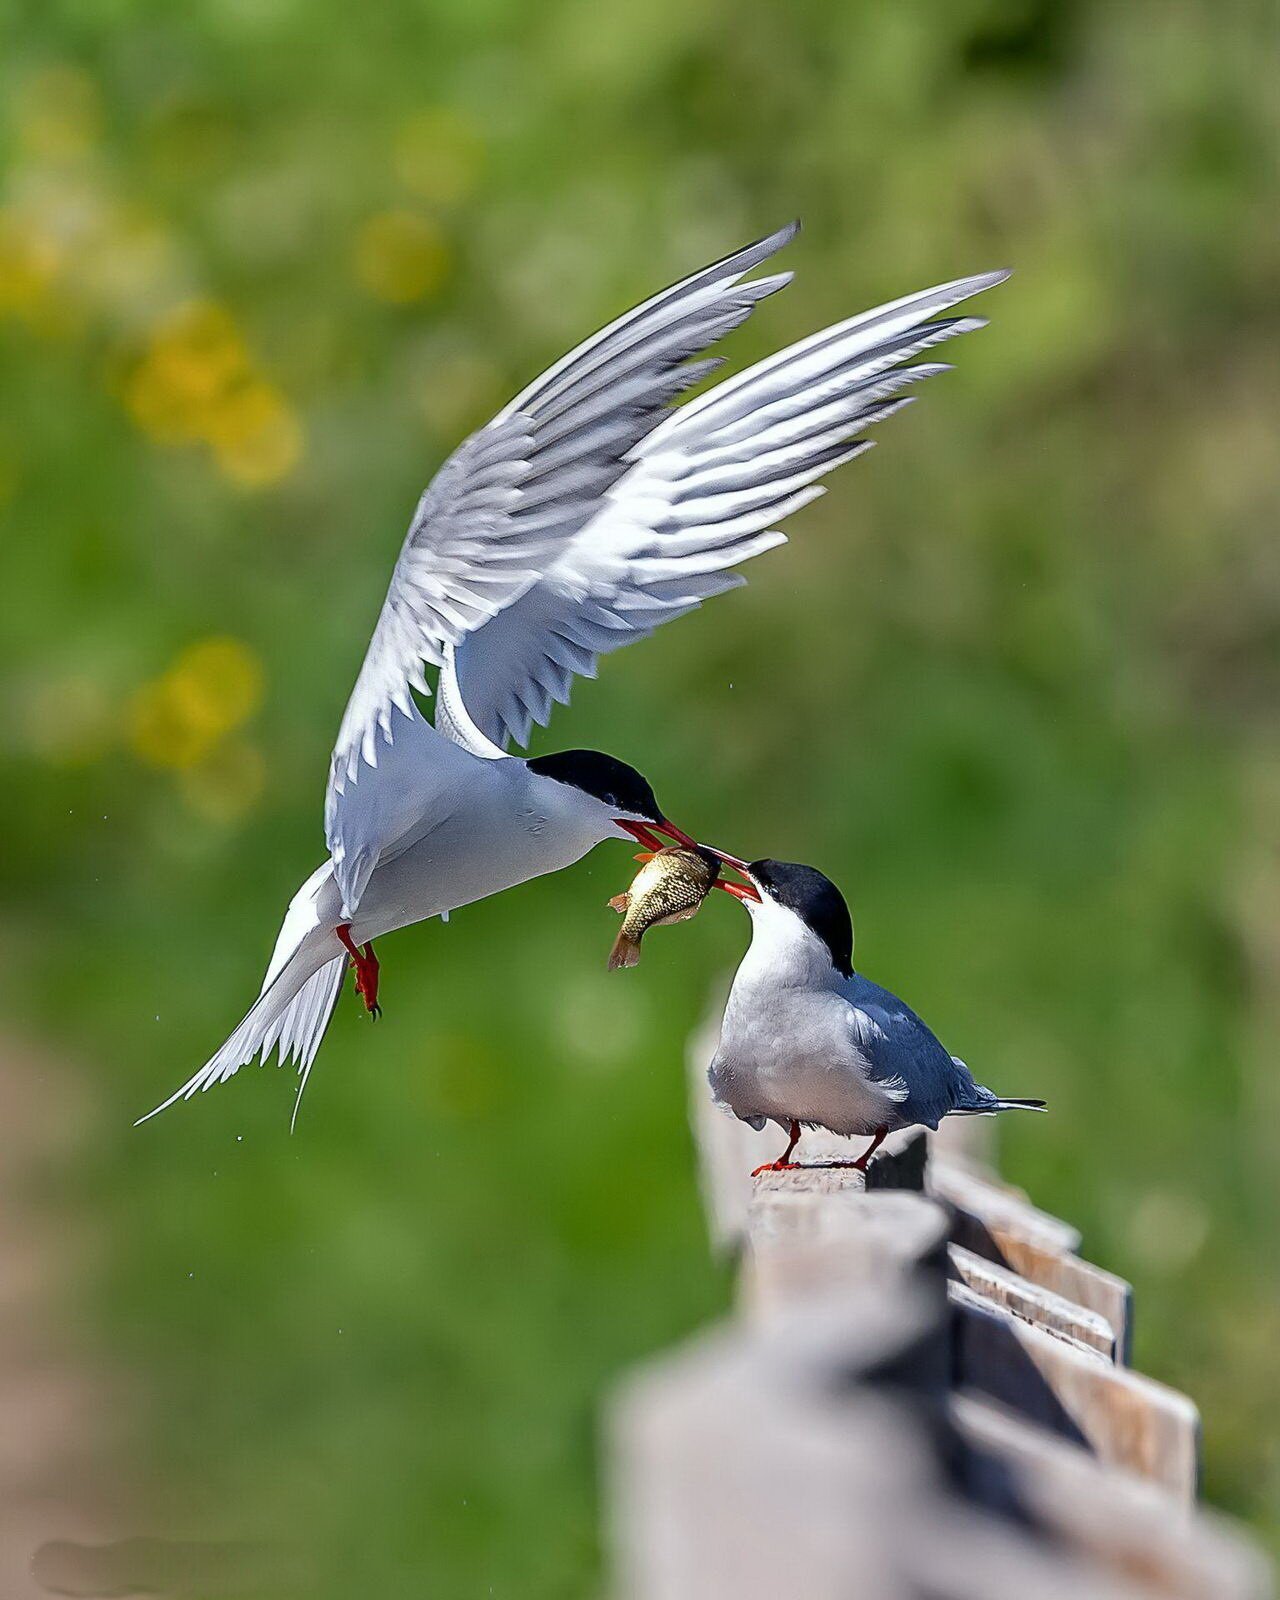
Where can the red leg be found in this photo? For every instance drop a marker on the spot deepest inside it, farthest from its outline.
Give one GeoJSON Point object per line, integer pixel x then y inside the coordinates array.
{"type": "Point", "coordinates": [860, 1165]}
{"type": "Point", "coordinates": [784, 1163]}
{"type": "Point", "coordinates": [366, 965]}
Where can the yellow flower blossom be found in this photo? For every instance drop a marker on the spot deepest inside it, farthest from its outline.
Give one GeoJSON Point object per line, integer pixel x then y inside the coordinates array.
{"type": "Point", "coordinates": [400, 257]}
{"type": "Point", "coordinates": [210, 690]}
{"type": "Point", "coordinates": [438, 155]}
{"type": "Point", "coordinates": [197, 382]}
{"type": "Point", "coordinates": [256, 437]}
{"type": "Point", "coordinates": [195, 354]}
{"type": "Point", "coordinates": [29, 262]}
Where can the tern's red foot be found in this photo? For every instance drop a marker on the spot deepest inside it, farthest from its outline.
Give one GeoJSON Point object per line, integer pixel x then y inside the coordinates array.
{"type": "Point", "coordinates": [860, 1165]}
{"type": "Point", "coordinates": [784, 1163]}
{"type": "Point", "coordinates": [366, 969]}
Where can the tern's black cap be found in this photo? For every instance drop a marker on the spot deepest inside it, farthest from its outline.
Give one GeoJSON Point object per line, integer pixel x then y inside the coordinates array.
{"type": "Point", "coordinates": [815, 900]}
{"type": "Point", "coordinates": [605, 777]}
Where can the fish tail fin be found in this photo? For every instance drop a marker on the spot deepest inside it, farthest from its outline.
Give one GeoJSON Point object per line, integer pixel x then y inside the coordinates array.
{"type": "Point", "coordinates": [621, 903]}
{"type": "Point", "coordinates": [625, 952]}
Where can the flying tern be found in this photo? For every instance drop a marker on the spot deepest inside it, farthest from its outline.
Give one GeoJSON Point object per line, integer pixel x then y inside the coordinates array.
{"type": "Point", "coordinates": [808, 1042]}
{"type": "Point", "coordinates": [587, 513]}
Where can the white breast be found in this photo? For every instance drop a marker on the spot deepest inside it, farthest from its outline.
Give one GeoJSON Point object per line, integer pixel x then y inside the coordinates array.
{"type": "Point", "coordinates": [787, 1049]}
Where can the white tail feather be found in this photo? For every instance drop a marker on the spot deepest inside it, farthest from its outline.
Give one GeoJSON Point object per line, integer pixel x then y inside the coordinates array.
{"type": "Point", "coordinates": [292, 1011]}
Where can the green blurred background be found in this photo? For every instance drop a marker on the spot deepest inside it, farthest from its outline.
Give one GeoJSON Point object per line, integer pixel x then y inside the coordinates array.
{"type": "Point", "coordinates": [1013, 683]}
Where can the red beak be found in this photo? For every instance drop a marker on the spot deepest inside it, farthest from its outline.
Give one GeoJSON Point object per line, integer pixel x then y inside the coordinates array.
{"type": "Point", "coordinates": [735, 862]}
{"type": "Point", "coordinates": [647, 833]}
{"type": "Point", "coordinates": [739, 891]}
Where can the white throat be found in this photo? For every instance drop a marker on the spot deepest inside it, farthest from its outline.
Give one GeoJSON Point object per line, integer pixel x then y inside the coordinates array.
{"type": "Point", "coordinates": [786, 950]}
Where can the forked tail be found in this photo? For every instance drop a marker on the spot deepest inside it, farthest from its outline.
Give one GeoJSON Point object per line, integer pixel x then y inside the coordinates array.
{"type": "Point", "coordinates": [292, 1012]}
{"type": "Point", "coordinates": [998, 1103]}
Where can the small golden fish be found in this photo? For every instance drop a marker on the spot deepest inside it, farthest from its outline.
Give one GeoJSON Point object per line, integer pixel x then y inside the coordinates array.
{"type": "Point", "coordinates": [670, 887]}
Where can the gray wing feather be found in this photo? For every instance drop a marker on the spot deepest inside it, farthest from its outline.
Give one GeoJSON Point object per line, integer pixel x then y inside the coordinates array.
{"type": "Point", "coordinates": [703, 493]}
{"type": "Point", "coordinates": [511, 497]}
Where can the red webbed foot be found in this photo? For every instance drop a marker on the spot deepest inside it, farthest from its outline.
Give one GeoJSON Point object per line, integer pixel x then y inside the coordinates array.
{"type": "Point", "coordinates": [366, 969]}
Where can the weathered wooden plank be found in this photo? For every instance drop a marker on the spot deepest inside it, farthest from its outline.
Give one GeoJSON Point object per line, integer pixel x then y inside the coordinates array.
{"type": "Point", "coordinates": [723, 1144]}
{"type": "Point", "coordinates": [802, 1242]}
{"type": "Point", "coordinates": [958, 1554]}
{"type": "Point", "coordinates": [745, 1464]}
{"type": "Point", "coordinates": [1059, 1271]}
{"type": "Point", "coordinates": [1125, 1420]}
{"type": "Point", "coordinates": [1120, 1520]}
{"type": "Point", "coordinates": [967, 1142]}
{"type": "Point", "coordinates": [719, 1484]}
{"type": "Point", "coordinates": [990, 1202]}
{"type": "Point", "coordinates": [1031, 1302]}
{"type": "Point", "coordinates": [757, 1464]}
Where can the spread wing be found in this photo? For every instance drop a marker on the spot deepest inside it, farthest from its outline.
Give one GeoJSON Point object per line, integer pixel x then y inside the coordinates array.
{"type": "Point", "coordinates": [513, 496]}
{"type": "Point", "coordinates": [702, 493]}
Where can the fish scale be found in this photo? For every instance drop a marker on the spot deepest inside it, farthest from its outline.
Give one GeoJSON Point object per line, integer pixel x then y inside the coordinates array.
{"type": "Point", "coordinates": [670, 887]}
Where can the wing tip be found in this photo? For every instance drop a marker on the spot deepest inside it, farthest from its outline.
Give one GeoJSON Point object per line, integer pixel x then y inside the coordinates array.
{"type": "Point", "coordinates": [988, 280]}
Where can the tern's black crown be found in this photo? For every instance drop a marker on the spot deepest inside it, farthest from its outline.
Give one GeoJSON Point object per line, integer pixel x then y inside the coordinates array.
{"type": "Point", "coordinates": [608, 779]}
{"type": "Point", "coordinates": [815, 900]}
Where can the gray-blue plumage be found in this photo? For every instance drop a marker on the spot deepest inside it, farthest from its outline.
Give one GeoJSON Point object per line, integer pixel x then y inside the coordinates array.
{"type": "Point", "coordinates": [806, 1040]}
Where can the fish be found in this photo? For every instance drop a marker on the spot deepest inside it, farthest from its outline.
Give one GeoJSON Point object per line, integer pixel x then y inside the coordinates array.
{"type": "Point", "coordinates": [669, 887]}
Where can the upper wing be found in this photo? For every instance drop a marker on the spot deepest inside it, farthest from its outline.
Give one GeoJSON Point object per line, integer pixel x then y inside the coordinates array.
{"type": "Point", "coordinates": [499, 512]}
{"type": "Point", "coordinates": [704, 492]}
{"type": "Point", "coordinates": [514, 494]}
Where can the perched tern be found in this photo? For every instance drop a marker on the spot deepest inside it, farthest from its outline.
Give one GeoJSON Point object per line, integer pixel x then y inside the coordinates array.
{"type": "Point", "coordinates": [809, 1042]}
{"type": "Point", "coordinates": [587, 513]}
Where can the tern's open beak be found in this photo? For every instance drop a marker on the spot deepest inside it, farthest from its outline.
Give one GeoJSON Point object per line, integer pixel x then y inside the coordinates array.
{"type": "Point", "coordinates": [641, 833]}
{"type": "Point", "coordinates": [735, 862]}
{"type": "Point", "coordinates": [647, 833]}
{"type": "Point", "coordinates": [740, 891]}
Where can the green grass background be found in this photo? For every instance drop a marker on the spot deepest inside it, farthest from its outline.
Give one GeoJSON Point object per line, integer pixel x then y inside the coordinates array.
{"type": "Point", "coordinates": [1013, 684]}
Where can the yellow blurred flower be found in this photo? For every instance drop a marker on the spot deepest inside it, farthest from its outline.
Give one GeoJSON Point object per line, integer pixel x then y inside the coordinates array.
{"type": "Point", "coordinates": [256, 437]}
{"type": "Point", "coordinates": [198, 381]}
{"type": "Point", "coordinates": [29, 263]}
{"type": "Point", "coordinates": [195, 354]}
{"type": "Point", "coordinates": [57, 112]}
{"type": "Point", "coordinates": [227, 783]}
{"type": "Point", "coordinates": [438, 155]}
{"type": "Point", "coordinates": [208, 692]}
{"type": "Point", "coordinates": [400, 257]}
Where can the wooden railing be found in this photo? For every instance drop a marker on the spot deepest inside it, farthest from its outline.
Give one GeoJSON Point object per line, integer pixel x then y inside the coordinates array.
{"type": "Point", "coordinates": [925, 1392]}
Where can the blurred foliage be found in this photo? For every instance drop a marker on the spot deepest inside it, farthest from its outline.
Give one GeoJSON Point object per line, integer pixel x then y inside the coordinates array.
{"type": "Point", "coordinates": [262, 263]}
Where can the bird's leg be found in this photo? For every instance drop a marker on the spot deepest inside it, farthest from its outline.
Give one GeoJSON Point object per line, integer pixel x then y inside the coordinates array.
{"type": "Point", "coordinates": [784, 1163]}
{"type": "Point", "coordinates": [860, 1165]}
{"type": "Point", "coordinates": [366, 965]}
